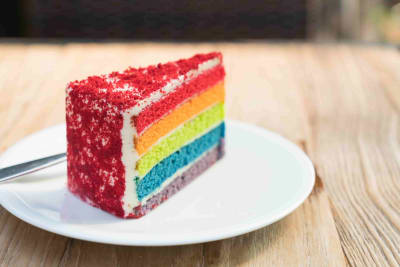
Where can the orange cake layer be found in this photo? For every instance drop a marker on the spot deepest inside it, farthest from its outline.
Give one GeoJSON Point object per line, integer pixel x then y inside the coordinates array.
{"type": "Point", "coordinates": [178, 116]}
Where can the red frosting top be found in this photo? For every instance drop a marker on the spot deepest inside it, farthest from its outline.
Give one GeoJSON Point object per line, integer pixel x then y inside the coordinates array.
{"type": "Point", "coordinates": [125, 89]}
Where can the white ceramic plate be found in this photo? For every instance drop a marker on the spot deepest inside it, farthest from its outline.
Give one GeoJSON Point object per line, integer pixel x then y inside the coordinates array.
{"type": "Point", "coordinates": [262, 178]}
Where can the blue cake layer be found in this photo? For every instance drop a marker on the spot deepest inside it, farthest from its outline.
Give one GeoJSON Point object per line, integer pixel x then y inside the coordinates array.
{"type": "Point", "coordinates": [168, 166]}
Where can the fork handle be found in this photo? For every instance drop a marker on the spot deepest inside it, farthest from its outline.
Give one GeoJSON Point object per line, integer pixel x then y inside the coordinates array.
{"type": "Point", "coordinates": [18, 170]}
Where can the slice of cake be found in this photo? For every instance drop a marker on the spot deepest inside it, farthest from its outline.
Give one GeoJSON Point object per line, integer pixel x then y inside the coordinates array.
{"type": "Point", "coordinates": [137, 137]}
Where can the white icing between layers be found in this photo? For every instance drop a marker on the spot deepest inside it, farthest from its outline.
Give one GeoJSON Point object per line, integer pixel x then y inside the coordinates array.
{"type": "Point", "coordinates": [128, 131]}
{"type": "Point", "coordinates": [129, 158]}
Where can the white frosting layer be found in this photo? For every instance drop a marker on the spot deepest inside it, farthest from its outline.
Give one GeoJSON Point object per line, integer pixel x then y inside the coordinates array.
{"type": "Point", "coordinates": [129, 158]}
{"type": "Point", "coordinates": [128, 131]}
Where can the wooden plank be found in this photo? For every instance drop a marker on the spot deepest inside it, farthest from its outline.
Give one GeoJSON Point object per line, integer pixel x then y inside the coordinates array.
{"type": "Point", "coordinates": [354, 145]}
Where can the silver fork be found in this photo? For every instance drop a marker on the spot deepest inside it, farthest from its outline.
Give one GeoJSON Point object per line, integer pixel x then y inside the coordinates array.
{"type": "Point", "coordinates": [15, 171]}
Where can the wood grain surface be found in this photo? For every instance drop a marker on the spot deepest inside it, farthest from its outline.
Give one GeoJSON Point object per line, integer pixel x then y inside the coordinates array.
{"type": "Point", "coordinates": [339, 102]}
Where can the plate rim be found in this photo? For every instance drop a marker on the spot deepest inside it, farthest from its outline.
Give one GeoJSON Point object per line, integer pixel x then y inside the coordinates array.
{"type": "Point", "coordinates": [206, 236]}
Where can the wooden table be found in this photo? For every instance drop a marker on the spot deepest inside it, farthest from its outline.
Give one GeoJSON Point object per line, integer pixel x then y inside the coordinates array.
{"type": "Point", "coordinates": [340, 103]}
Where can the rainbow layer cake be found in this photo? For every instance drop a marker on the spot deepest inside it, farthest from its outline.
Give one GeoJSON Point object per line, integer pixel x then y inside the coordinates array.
{"type": "Point", "coordinates": [137, 137]}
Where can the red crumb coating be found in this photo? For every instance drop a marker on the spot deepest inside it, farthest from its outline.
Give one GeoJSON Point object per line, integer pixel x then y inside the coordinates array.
{"type": "Point", "coordinates": [95, 171]}
{"type": "Point", "coordinates": [143, 80]}
{"type": "Point", "coordinates": [156, 111]}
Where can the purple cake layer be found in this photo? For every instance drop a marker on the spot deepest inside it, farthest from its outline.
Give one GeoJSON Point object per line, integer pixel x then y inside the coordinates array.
{"type": "Point", "coordinates": [181, 181]}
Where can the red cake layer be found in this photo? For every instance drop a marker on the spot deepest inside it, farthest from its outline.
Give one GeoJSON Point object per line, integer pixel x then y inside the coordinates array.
{"type": "Point", "coordinates": [144, 80]}
{"type": "Point", "coordinates": [157, 110]}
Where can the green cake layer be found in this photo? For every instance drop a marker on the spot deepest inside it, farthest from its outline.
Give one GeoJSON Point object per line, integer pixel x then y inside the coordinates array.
{"type": "Point", "coordinates": [189, 131]}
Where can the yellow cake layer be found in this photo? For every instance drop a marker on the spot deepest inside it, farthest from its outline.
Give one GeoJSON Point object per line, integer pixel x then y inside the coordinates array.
{"type": "Point", "coordinates": [178, 116]}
